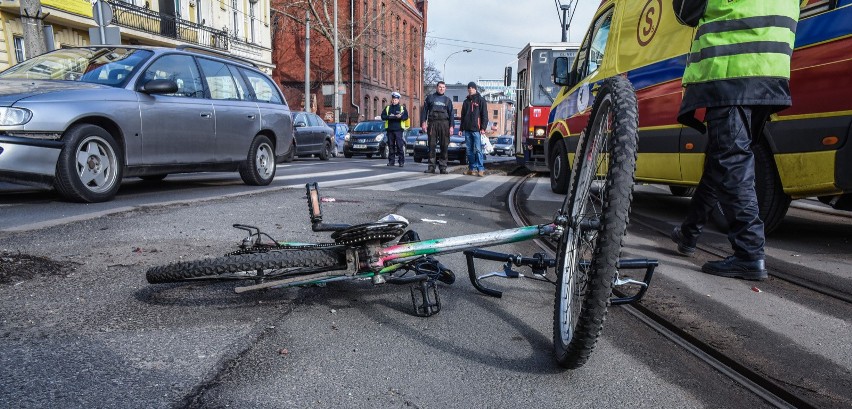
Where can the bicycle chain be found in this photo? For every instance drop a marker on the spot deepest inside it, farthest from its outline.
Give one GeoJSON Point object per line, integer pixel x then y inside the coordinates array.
{"type": "Point", "coordinates": [254, 250]}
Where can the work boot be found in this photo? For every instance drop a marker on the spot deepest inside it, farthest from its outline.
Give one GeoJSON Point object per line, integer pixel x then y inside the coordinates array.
{"type": "Point", "coordinates": [444, 171]}
{"type": "Point", "coordinates": [735, 267]}
{"type": "Point", "coordinates": [480, 173]}
{"type": "Point", "coordinates": [430, 169]}
{"type": "Point", "coordinates": [683, 247]}
{"type": "Point", "coordinates": [470, 172]}
{"type": "Point", "coordinates": [390, 164]}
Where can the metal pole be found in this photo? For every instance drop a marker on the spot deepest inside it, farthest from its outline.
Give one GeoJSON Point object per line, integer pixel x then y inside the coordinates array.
{"type": "Point", "coordinates": [443, 73]}
{"type": "Point", "coordinates": [33, 33]}
{"type": "Point", "coordinates": [100, 22]}
{"type": "Point", "coordinates": [564, 24]}
{"type": "Point", "coordinates": [307, 61]}
{"type": "Point", "coordinates": [336, 70]}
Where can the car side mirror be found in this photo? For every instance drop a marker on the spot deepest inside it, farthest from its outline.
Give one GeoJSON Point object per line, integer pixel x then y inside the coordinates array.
{"type": "Point", "coordinates": [562, 71]}
{"type": "Point", "coordinates": [161, 86]}
{"type": "Point", "coordinates": [300, 124]}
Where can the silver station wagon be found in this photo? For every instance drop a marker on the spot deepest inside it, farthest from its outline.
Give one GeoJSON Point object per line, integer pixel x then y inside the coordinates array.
{"type": "Point", "coordinates": [81, 119]}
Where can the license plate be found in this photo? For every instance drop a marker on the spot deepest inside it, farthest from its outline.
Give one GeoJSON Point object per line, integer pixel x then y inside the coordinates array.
{"type": "Point", "coordinates": [409, 151]}
{"type": "Point", "coordinates": [360, 146]}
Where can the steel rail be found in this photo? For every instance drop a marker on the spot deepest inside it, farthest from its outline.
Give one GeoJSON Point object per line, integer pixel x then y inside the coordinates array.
{"type": "Point", "coordinates": [752, 381]}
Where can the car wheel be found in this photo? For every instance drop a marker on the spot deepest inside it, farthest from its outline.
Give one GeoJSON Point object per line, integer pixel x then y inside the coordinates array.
{"type": "Point", "coordinates": [385, 152]}
{"type": "Point", "coordinates": [682, 191]}
{"type": "Point", "coordinates": [89, 168]}
{"type": "Point", "coordinates": [154, 178]}
{"type": "Point", "coordinates": [418, 159]}
{"type": "Point", "coordinates": [347, 155]}
{"type": "Point", "coordinates": [288, 157]}
{"type": "Point", "coordinates": [334, 151]}
{"type": "Point", "coordinates": [326, 151]}
{"type": "Point", "coordinates": [259, 167]}
{"type": "Point", "coordinates": [559, 170]}
{"type": "Point", "coordinates": [463, 159]}
{"type": "Point", "coordinates": [369, 156]}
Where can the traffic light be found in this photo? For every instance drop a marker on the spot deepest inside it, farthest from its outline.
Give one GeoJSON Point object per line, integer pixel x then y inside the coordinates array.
{"type": "Point", "coordinates": [507, 77]}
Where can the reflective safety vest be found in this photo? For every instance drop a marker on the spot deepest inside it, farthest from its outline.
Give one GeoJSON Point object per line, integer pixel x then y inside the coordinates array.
{"type": "Point", "coordinates": [405, 124]}
{"type": "Point", "coordinates": [741, 39]}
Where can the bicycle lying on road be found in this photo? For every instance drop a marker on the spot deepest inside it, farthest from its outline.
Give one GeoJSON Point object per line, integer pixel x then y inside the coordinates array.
{"type": "Point", "coordinates": [588, 229]}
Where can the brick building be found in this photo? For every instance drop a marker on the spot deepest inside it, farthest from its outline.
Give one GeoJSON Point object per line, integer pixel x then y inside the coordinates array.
{"type": "Point", "coordinates": [381, 50]}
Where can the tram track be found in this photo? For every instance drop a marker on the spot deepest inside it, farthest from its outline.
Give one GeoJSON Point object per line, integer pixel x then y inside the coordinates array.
{"type": "Point", "coordinates": [768, 389]}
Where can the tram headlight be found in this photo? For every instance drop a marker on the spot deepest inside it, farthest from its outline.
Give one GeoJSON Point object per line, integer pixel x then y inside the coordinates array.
{"type": "Point", "coordinates": [539, 132]}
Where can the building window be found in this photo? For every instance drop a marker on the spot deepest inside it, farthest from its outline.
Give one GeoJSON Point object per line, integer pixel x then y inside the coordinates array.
{"type": "Point", "coordinates": [495, 114]}
{"type": "Point", "coordinates": [252, 20]}
{"type": "Point", "coordinates": [199, 15]}
{"type": "Point", "coordinates": [234, 7]}
{"type": "Point", "coordinates": [19, 49]}
{"type": "Point", "coordinates": [455, 98]}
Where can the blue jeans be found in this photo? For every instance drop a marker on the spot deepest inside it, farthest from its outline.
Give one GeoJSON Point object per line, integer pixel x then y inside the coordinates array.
{"type": "Point", "coordinates": [474, 150]}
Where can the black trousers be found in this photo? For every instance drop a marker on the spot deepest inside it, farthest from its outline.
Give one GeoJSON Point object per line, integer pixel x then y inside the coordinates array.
{"type": "Point", "coordinates": [728, 179]}
{"type": "Point", "coordinates": [396, 147]}
{"type": "Point", "coordinates": [439, 135]}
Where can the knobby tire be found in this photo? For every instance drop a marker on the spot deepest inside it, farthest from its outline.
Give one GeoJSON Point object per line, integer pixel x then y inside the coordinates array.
{"type": "Point", "coordinates": [305, 261]}
{"type": "Point", "coordinates": [587, 258]}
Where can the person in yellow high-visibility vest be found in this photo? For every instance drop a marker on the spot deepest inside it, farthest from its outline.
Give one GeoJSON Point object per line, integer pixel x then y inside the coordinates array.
{"type": "Point", "coordinates": [396, 122]}
{"type": "Point", "coordinates": [738, 69]}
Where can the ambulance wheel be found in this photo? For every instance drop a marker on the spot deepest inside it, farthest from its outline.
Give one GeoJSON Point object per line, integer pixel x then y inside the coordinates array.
{"type": "Point", "coordinates": [771, 199]}
{"type": "Point", "coordinates": [560, 170]}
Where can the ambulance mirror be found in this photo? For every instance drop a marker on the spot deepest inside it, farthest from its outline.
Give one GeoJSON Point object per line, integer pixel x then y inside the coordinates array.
{"type": "Point", "coordinates": [561, 71]}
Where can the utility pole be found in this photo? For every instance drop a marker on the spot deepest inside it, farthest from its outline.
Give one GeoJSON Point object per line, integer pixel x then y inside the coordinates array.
{"type": "Point", "coordinates": [565, 8]}
{"type": "Point", "coordinates": [307, 61]}
{"type": "Point", "coordinates": [336, 70]}
{"type": "Point", "coordinates": [33, 28]}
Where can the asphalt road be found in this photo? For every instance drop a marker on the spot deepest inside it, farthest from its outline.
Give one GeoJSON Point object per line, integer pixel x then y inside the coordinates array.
{"type": "Point", "coordinates": [97, 335]}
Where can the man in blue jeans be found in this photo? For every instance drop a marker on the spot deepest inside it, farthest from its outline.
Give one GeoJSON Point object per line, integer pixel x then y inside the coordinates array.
{"type": "Point", "coordinates": [474, 119]}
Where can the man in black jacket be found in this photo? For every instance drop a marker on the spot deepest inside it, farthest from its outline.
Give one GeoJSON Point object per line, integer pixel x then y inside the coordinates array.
{"type": "Point", "coordinates": [474, 120]}
{"type": "Point", "coordinates": [438, 111]}
{"type": "Point", "coordinates": [395, 116]}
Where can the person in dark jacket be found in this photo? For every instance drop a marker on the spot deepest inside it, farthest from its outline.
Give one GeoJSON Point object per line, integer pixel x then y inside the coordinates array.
{"type": "Point", "coordinates": [474, 120]}
{"type": "Point", "coordinates": [738, 69]}
{"type": "Point", "coordinates": [437, 114]}
{"type": "Point", "coordinates": [395, 116]}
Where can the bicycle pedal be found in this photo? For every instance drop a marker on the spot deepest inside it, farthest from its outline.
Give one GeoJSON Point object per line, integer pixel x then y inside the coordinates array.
{"type": "Point", "coordinates": [424, 298]}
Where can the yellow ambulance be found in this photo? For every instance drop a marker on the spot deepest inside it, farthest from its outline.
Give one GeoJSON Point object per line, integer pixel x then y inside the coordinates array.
{"type": "Point", "coordinates": [805, 150]}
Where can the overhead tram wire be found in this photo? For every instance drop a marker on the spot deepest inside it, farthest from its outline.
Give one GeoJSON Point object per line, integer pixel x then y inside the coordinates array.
{"type": "Point", "coordinates": [472, 42]}
{"type": "Point", "coordinates": [478, 49]}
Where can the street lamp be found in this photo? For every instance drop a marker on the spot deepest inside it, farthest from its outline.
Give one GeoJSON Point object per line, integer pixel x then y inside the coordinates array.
{"type": "Point", "coordinates": [444, 73]}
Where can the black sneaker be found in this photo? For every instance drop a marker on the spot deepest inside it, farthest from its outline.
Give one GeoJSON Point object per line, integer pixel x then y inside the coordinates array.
{"type": "Point", "coordinates": [390, 164]}
{"type": "Point", "coordinates": [682, 247]}
{"type": "Point", "coordinates": [400, 165]}
{"type": "Point", "coordinates": [444, 171]}
{"type": "Point", "coordinates": [430, 169]}
{"type": "Point", "coordinates": [734, 267]}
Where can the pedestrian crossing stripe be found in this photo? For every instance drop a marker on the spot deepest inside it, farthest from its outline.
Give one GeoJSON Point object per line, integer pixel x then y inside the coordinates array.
{"type": "Point", "coordinates": [321, 174]}
{"type": "Point", "coordinates": [406, 184]}
{"type": "Point", "coordinates": [480, 187]}
{"type": "Point", "coordinates": [340, 182]}
{"type": "Point", "coordinates": [541, 191]}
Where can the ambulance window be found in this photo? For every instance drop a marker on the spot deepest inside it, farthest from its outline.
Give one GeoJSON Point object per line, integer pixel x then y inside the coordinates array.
{"type": "Point", "coordinates": [592, 52]}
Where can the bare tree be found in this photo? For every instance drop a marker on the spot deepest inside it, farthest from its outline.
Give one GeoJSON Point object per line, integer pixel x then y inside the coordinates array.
{"type": "Point", "coordinates": [34, 42]}
{"type": "Point", "coordinates": [431, 76]}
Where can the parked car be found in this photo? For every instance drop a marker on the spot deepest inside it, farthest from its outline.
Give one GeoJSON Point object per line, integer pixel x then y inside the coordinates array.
{"type": "Point", "coordinates": [367, 138]}
{"type": "Point", "coordinates": [341, 131]}
{"type": "Point", "coordinates": [80, 119]}
{"type": "Point", "coordinates": [410, 135]}
{"type": "Point", "coordinates": [455, 151]}
{"type": "Point", "coordinates": [504, 145]}
{"type": "Point", "coordinates": [312, 136]}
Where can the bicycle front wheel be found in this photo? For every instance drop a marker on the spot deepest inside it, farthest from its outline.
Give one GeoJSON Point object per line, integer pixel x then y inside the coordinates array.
{"type": "Point", "coordinates": [596, 209]}
{"type": "Point", "coordinates": [273, 263]}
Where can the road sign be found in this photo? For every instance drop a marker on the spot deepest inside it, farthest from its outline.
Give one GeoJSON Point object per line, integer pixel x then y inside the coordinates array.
{"type": "Point", "coordinates": [102, 13]}
{"type": "Point", "coordinates": [113, 35]}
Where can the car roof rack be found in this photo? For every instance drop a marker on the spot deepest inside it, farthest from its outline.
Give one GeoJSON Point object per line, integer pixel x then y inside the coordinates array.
{"type": "Point", "coordinates": [215, 53]}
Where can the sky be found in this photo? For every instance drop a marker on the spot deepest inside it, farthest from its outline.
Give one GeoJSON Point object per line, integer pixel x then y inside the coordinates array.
{"type": "Point", "coordinates": [501, 27]}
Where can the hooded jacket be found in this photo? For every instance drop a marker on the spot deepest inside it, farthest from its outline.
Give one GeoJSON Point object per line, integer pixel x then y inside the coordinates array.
{"type": "Point", "coordinates": [474, 116]}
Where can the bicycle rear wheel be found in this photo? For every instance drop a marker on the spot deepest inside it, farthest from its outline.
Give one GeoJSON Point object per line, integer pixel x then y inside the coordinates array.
{"type": "Point", "coordinates": [597, 209]}
{"type": "Point", "coordinates": [275, 263]}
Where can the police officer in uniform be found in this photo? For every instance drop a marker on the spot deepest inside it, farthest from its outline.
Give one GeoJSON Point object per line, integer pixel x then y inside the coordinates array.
{"type": "Point", "coordinates": [395, 116]}
{"type": "Point", "coordinates": [738, 69]}
{"type": "Point", "coordinates": [438, 111]}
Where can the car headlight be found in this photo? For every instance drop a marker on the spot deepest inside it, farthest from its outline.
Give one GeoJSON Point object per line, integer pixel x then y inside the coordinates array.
{"type": "Point", "coordinates": [421, 143]}
{"type": "Point", "coordinates": [379, 137]}
{"type": "Point", "coordinates": [539, 132]}
{"type": "Point", "coordinates": [346, 138]}
{"type": "Point", "coordinates": [454, 145]}
{"type": "Point", "coordinates": [14, 116]}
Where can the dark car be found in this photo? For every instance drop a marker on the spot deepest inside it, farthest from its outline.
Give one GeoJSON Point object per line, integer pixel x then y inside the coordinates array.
{"type": "Point", "coordinates": [341, 131]}
{"type": "Point", "coordinates": [410, 135]}
{"type": "Point", "coordinates": [504, 145]}
{"type": "Point", "coordinates": [367, 138]}
{"type": "Point", "coordinates": [456, 151]}
{"type": "Point", "coordinates": [81, 119]}
{"type": "Point", "coordinates": [311, 136]}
